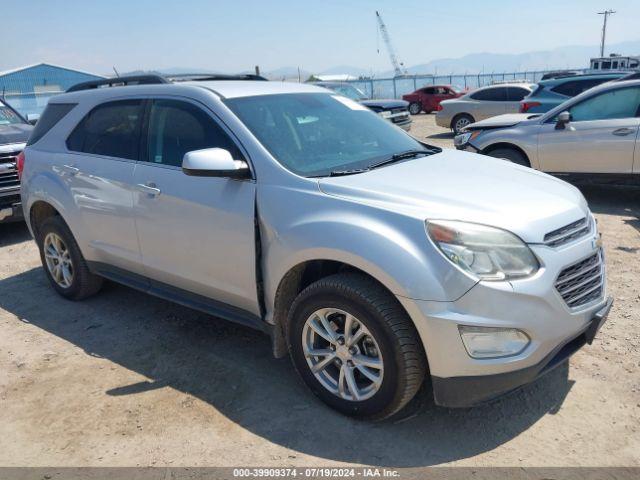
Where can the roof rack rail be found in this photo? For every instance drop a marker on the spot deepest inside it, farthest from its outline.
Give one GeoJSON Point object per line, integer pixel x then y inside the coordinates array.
{"type": "Point", "coordinates": [119, 81]}
{"type": "Point", "coordinates": [203, 77]}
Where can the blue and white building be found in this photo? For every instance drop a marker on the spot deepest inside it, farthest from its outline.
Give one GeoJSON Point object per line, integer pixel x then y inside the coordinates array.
{"type": "Point", "coordinates": [28, 89]}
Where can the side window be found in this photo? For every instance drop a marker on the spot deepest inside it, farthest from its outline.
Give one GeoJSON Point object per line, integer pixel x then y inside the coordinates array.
{"type": "Point", "coordinates": [517, 93]}
{"type": "Point", "coordinates": [496, 94]}
{"type": "Point", "coordinates": [619, 103]}
{"type": "Point", "coordinates": [576, 87]}
{"type": "Point", "coordinates": [53, 113]}
{"type": "Point", "coordinates": [177, 127]}
{"type": "Point", "coordinates": [429, 91]}
{"type": "Point", "coordinates": [111, 129]}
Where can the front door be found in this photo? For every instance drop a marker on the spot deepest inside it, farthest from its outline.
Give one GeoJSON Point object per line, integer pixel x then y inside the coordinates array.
{"type": "Point", "coordinates": [196, 233]}
{"type": "Point", "coordinates": [600, 138]}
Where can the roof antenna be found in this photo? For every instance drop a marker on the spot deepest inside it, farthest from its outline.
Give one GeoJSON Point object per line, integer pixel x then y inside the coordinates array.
{"type": "Point", "coordinates": [117, 74]}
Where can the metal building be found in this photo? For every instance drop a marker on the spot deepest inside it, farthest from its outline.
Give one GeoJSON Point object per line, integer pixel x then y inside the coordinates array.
{"type": "Point", "coordinates": [28, 89]}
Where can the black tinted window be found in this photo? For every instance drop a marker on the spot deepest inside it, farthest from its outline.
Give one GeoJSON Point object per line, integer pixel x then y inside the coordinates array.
{"type": "Point", "coordinates": [497, 94]}
{"type": "Point", "coordinates": [176, 128]}
{"type": "Point", "coordinates": [517, 93]}
{"type": "Point", "coordinates": [53, 113]}
{"type": "Point", "coordinates": [111, 129]}
{"type": "Point", "coordinates": [576, 87]}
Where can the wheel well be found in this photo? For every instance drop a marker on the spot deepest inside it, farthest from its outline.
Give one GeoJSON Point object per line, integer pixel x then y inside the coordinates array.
{"type": "Point", "coordinates": [294, 281]}
{"type": "Point", "coordinates": [40, 211]}
{"type": "Point", "coordinates": [506, 145]}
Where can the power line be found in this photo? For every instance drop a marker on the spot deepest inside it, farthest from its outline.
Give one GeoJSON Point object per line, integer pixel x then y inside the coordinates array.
{"type": "Point", "coordinates": [606, 14]}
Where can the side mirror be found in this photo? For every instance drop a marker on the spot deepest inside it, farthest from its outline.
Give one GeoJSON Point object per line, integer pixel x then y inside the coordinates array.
{"type": "Point", "coordinates": [563, 120]}
{"type": "Point", "coordinates": [33, 118]}
{"type": "Point", "coordinates": [214, 162]}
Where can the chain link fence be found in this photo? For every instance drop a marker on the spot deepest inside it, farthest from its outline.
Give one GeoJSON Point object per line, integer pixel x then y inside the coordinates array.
{"type": "Point", "coordinates": [396, 87]}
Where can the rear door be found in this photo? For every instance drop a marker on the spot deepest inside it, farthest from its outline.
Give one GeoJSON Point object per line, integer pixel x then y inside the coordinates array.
{"type": "Point", "coordinates": [600, 138]}
{"type": "Point", "coordinates": [196, 233]}
{"type": "Point", "coordinates": [490, 102]}
{"type": "Point", "coordinates": [98, 169]}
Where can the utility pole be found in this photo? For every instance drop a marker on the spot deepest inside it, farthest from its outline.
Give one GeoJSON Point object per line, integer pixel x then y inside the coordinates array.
{"type": "Point", "coordinates": [606, 14]}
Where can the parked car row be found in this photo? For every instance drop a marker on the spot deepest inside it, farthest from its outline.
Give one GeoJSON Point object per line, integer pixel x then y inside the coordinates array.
{"type": "Point", "coordinates": [595, 132]}
{"type": "Point", "coordinates": [371, 258]}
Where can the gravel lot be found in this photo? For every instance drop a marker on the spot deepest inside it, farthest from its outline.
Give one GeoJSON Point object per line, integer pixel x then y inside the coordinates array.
{"type": "Point", "coordinates": [125, 379]}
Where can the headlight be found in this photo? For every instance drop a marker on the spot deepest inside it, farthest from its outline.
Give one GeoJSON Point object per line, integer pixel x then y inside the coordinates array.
{"type": "Point", "coordinates": [491, 342]}
{"type": "Point", "coordinates": [465, 138]}
{"type": "Point", "coordinates": [486, 252]}
{"type": "Point", "coordinates": [385, 114]}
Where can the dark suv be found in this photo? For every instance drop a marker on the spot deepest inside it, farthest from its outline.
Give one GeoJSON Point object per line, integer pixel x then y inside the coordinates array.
{"type": "Point", "coordinates": [14, 132]}
{"type": "Point", "coordinates": [395, 111]}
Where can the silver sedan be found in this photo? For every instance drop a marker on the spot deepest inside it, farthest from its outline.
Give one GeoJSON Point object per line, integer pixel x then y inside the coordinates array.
{"type": "Point", "coordinates": [480, 104]}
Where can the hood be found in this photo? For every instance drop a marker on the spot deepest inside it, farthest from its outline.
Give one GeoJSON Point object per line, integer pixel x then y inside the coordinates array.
{"type": "Point", "coordinates": [466, 186]}
{"type": "Point", "coordinates": [16, 133]}
{"type": "Point", "coordinates": [385, 104]}
{"type": "Point", "coordinates": [507, 120]}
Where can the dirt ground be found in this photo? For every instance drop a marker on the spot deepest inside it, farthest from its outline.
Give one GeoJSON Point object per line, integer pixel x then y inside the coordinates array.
{"type": "Point", "coordinates": [125, 379]}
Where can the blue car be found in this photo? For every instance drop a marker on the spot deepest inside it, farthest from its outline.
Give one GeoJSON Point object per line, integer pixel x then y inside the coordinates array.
{"type": "Point", "coordinates": [553, 91]}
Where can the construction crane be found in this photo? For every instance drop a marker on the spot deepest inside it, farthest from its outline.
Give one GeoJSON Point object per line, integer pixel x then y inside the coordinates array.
{"type": "Point", "coordinates": [398, 66]}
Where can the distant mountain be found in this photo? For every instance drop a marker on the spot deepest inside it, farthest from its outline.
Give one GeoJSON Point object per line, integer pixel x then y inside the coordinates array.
{"type": "Point", "coordinates": [561, 57]}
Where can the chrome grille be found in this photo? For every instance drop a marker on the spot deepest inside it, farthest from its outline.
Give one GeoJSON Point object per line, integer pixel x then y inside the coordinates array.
{"type": "Point", "coordinates": [568, 233]}
{"type": "Point", "coordinates": [582, 282]}
{"type": "Point", "coordinates": [8, 172]}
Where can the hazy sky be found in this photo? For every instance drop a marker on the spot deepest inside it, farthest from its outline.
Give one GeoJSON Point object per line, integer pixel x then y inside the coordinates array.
{"type": "Point", "coordinates": [236, 35]}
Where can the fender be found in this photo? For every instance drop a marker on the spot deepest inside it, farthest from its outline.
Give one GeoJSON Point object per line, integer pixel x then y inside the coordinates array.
{"type": "Point", "coordinates": [48, 187]}
{"type": "Point", "coordinates": [392, 248]}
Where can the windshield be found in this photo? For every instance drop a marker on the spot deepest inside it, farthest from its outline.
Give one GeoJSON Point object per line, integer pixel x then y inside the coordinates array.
{"type": "Point", "coordinates": [315, 134]}
{"type": "Point", "coordinates": [8, 116]}
{"type": "Point", "coordinates": [349, 91]}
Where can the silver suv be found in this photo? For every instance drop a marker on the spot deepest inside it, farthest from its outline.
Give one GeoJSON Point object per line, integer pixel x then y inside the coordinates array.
{"type": "Point", "coordinates": [373, 259]}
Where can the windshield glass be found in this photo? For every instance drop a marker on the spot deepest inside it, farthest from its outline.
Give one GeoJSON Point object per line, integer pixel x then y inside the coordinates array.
{"type": "Point", "coordinates": [314, 134]}
{"type": "Point", "coordinates": [8, 116]}
{"type": "Point", "coordinates": [349, 91]}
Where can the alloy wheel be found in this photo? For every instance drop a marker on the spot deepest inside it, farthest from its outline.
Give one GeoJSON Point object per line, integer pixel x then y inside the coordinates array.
{"type": "Point", "coordinates": [342, 354]}
{"type": "Point", "coordinates": [461, 123]}
{"type": "Point", "coordinates": [58, 260]}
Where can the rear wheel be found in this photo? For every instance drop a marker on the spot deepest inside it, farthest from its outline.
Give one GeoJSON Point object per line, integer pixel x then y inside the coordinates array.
{"type": "Point", "coordinates": [63, 263]}
{"type": "Point", "coordinates": [415, 108]}
{"type": "Point", "coordinates": [510, 154]}
{"type": "Point", "coordinates": [460, 122]}
{"type": "Point", "coordinates": [355, 347]}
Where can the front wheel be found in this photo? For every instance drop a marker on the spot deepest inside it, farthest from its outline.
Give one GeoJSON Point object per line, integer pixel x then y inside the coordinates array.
{"type": "Point", "coordinates": [415, 108]}
{"type": "Point", "coordinates": [510, 154]}
{"type": "Point", "coordinates": [355, 347]}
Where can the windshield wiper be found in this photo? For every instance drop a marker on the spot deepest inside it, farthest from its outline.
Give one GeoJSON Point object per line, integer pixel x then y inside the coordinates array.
{"type": "Point", "coordinates": [342, 173]}
{"type": "Point", "coordinates": [401, 156]}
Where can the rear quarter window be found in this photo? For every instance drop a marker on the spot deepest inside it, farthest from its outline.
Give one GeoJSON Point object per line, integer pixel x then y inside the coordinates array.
{"type": "Point", "coordinates": [53, 113]}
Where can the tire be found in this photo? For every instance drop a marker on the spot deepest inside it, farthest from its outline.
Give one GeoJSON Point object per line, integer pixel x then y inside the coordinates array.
{"type": "Point", "coordinates": [415, 108]}
{"type": "Point", "coordinates": [392, 343]}
{"type": "Point", "coordinates": [461, 121]}
{"type": "Point", "coordinates": [80, 283]}
{"type": "Point", "coordinates": [510, 154]}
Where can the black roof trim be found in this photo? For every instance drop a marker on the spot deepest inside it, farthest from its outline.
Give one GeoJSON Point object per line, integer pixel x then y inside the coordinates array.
{"type": "Point", "coordinates": [204, 77]}
{"type": "Point", "coordinates": [119, 82]}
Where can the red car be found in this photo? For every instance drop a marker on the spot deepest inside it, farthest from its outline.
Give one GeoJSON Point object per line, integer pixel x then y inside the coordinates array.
{"type": "Point", "coordinates": [427, 99]}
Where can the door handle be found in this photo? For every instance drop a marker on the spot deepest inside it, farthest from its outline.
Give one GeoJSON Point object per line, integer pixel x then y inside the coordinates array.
{"type": "Point", "coordinates": [150, 189]}
{"type": "Point", "coordinates": [622, 132]}
{"type": "Point", "coordinates": [70, 170]}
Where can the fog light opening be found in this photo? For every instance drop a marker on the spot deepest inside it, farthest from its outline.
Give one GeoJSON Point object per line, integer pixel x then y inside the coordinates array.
{"type": "Point", "coordinates": [492, 342]}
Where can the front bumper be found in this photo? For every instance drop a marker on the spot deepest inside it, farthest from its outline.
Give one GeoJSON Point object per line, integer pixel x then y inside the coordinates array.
{"type": "Point", "coordinates": [461, 392]}
{"type": "Point", "coordinates": [532, 305]}
{"type": "Point", "coordinates": [10, 210]}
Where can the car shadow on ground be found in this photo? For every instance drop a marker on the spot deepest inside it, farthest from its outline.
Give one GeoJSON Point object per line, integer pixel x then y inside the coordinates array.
{"type": "Point", "coordinates": [232, 369]}
{"type": "Point", "coordinates": [614, 200]}
{"type": "Point", "coordinates": [13, 233]}
{"type": "Point", "coordinates": [441, 135]}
